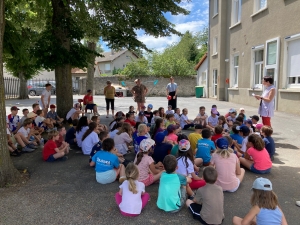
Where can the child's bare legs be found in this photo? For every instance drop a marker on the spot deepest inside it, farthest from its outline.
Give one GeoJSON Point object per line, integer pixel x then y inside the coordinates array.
{"type": "Point", "coordinates": [189, 191]}
{"type": "Point", "coordinates": [156, 177]}
{"type": "Point", "coordinates": [121, 171]}
{"type": "Point", "coordinates": [245, 162]}
{"type": "Point", "coordinates": [95, 110]}
{"type": "Point", "coordinates": [10, 148]}
{"type": "Point", "coordinates": [19, 140]}
{"type": "Point", "coordinates": [241, 176]}
{"type": "Point", "coordinates": [24, 139]}
{"type": "Point", "coordinates": [198, 161]}
{"type": "Point", "coordinates": [188, 202]}
{"type": "Point", "coordinates": [58, 155]}
{"type": "Point", "coordinates": [238, 221]}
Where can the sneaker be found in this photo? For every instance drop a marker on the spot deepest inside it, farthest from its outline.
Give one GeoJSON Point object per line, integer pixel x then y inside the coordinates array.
{"type": "Point", "coordinates": [65, 158]}
{"type": "Point", "coordinates": [298, 203]}
{"type": "Point", "coordinates": [15, 153]}
{"type": "Point", "coordinates": [122, 179]}
{"type": "Point", "coordinates": [32, 146]}
{"type": "Point", "coordinates": [27, 149]}
{"type": "Point", "coordinates": [191, 197]}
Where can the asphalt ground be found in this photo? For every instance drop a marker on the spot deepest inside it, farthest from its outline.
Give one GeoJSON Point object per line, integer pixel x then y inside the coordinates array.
{"type": "Point", "coordinates": [67, 192]}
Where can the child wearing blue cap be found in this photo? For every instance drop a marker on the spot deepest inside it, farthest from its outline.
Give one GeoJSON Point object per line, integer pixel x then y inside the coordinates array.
{"type": "Point", "coordinates": [265, 209]}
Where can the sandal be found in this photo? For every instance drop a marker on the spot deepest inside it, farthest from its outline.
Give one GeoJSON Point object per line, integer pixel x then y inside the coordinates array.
{"type": "Point", "coordinates": [15, 153]}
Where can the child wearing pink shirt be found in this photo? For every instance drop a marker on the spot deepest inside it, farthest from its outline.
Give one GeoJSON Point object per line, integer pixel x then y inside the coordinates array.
{"type": "Point", "coordinates": [257, 158]}
{"type": "Point", "coordinates": [172, 138]}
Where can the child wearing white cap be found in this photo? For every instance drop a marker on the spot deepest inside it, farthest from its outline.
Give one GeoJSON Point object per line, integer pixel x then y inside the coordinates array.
{"type": "Point", "coordinates": [145, 163]}
{"type": "Point", "coordinates": [265, 209]}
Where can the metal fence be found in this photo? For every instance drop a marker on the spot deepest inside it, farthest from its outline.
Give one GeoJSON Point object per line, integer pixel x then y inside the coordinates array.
{"type": "Point", "coordinates": [35, 87]}
{"type": "Point", "coordinates": [11, 87]}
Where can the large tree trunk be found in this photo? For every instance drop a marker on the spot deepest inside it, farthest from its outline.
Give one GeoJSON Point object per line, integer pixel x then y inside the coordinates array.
{"type": "Point", "coordinates": [63, 76]}
{"type": "Point", "coordinates": [23, 91]}
{"type": "Point", "coordinates": [90, 69]}
{"type": "Point", "coordinates": [8, 173]}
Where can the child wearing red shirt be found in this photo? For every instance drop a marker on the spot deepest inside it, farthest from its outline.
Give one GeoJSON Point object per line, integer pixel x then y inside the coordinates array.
{"type": "Point", "coordinates": [50, 151]}
{"type": "Point", "coordinates": [218, 133]}
{"type": "Point", "coordinates": [130, 119]}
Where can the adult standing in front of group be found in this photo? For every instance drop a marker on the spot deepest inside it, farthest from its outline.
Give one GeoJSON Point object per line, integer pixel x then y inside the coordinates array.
{"type": "Point", "coordinates": [139, 92]}
{"type": "Point", "coordinates": [266, 107]}
{"type": "Point", "coordinates": [45, 98]}
{"type": "Point", "coordinates": [109, 92]}
{"type": "Point", "coordinates": [172, 92]}
{"type": "Point", "coordinates": [89, 102]}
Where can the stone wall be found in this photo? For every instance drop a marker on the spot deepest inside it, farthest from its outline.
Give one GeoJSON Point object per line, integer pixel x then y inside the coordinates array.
{"type": "Point", "coordinates": [186, 85]}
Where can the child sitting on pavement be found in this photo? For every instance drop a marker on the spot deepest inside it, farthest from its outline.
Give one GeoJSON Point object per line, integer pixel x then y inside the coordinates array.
{"type": "Point", "coordinates": [27, 135]}
{"type": "Point", "coordinates": [208, 203]}
{"type": "Point", "coordinates": [169, 110]}
{"type": "Point", "coordinates": [195, 136]}
{"type": "Point", "coordinates": [107, 165]}
{"type": "Point", "coordinates": [25, 113]}
{"type": "Point", "coordinates": [54, 118]}
{"type": "Point", "coordinates": [177, 116]}
{"type": "Point", "coordinates": [90, 138]}
{"type": "Point", "coordinates": [141, 135]}
{"type": "Point", "coordinates": [100, 127]}
{"type": "Point", "coordinates": [70, 137]}
{"type": "Point", "coordinates": [14, 120]}
{"type": "Point", "coordinates": [267, 132]}
{"type": "Point", "coordinates": [60, 142]}
{"type": "Point", "coordinates": [172, 137]}
{"type": "Point", "coordinates": [205, 147]}
{"type": "Point", "coordinates": [162, 148]}
{"type": "Point", "coordinates": [218, 133]}
{"type": "Point", "coordinates": [185, 123]}
{"type": "Point", "coordinates": [172, 187]}
{"type": "Point", "coordinates": [132, 197]}
{"type": "Point", "coordinates": [170, 120]}
{"type": "Point", "coordinates": [149, 172]}
{"type": "Point", "coordinates": [201, 117]}
{"type": "Point", "coordinates": [42, 122]}
{"type": "Point", "coordinates": [213, 119]}
{"type": "Point", "coordinates": [51, 152]}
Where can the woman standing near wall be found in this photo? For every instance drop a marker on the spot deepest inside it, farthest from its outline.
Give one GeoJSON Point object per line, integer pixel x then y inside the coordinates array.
{"type": "Point", "coordinates": [266, 107]}
{"type": "Point", "coordinates": [172, 91]}
{"type": "Point", "coordinates": [109, 92]}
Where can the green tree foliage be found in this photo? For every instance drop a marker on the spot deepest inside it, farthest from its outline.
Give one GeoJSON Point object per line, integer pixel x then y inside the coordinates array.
{"type": "Point", "coordinates": [139, 67]}
{"type": "Point", "coordinates": [202, 42]}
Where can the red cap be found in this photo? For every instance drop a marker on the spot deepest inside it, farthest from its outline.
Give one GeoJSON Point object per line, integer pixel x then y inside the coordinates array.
{"type": "Point", "coordinates": [52, 106]}
{"type": "Point", "coordinates": [14, 108]}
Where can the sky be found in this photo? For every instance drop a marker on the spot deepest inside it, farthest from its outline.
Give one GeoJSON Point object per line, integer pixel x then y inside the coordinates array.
{"type": "Point", "coordinates": [195, 21]}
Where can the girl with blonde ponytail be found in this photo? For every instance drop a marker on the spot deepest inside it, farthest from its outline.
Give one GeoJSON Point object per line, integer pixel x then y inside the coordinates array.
{"type": "Point", "coordinates": [132, 197]}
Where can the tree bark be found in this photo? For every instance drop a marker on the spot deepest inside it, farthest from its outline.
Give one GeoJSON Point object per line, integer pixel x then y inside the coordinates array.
{"type": "Point", "coordinates": [23, 87]}
{"type": "Point", "coordinates": [63, 76]}
{"type": "Point", "coordinates": [90, 69]}
{"type": "Point", "coordinates": [8, 173]}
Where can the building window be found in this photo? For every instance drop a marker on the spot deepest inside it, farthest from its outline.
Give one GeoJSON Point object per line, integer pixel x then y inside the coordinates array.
{"type": "Point", "coordinates": [236, 12]}
{"type": "Point", "coordinates": [216, 7]}
{"type": "Point", "coordinates": [259, 5]}
{"type": "Point", "coordinates": [215, 46]}
{"type": "Point", "coordinates": [293, 62]}
{"type": "Point", "coordinates": [271, 53]}
{"type": "Point", "coordinates": [215, 83]}
{"type": "Point", "coordinates": [258, 68]}
{"type": "Point", "coordinates": [107, 66]}
{"type": "Point", "coordinates": [235, 71]}
{"type": "Point", "coordinates": [271, 56]}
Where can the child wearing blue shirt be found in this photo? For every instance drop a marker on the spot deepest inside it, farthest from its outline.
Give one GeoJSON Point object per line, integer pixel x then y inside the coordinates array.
{"type": "Point", "coordinates": [97, 147]}
{"type": "Point", "coordinates": [266, 132]}
{"type": "Point", "coordinates": [107, 165]}
{"type": "Point", "coordinates": [205, 147]}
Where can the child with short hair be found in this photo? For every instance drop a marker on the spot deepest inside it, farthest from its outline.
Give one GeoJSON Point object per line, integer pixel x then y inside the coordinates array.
{"type": "Point", "coordinates": [148, 113]}
{"type": "Point", "coordinates": [170, 120]}
{"type": "Point", "coordinates": [242, 110]}
{"type": "Point", "coordinates": [248, 123]}
{"type": "Point", "coordinates": [257, 158]}
{"type": "Point", "coordinates": [195, 136]}
{"type": "Point", "coordinates": [132, 197]}
{"type": "Point", "coordinates": [155, 115]}
{"type": "Point", "coordinates": [52, 115]}
{"type": "Point", "coordinates": [218, 133]}
{"type": "Point", "coordinates": [26, 132]}
{"type": "Point", "coordinates": [201, 117]}
{"type": "Point", "coordinates": [185, 123]}
{"type": "Point", "coordinates": [266, 132]}
{"type": "Point", "coordinates": [51, 152]}
{"type": "Point", "coordinates": [230, 174]}
{"type": "Point", "coordinates": [214, 107]}
{"type": "Point", "coordinates": [98, 147]}
{"type": "Point", "coordinates": [205, 147]}
{"type": "Point", "coordinates": [208, 204]}
{"type": "Point", "coordinates": [131, 110]}
{"type": "Point", "coordinates": [100, 127]}
{"type": "Point", "coordinates": [213, 119]}
{"type": "Point", "coordinates": [149, 172]}
{"type": "Point", "coordinates": [231, 118]}
{"type": "Point", "coordinates": [141, 118]}
{"type": "Point", "coordinates": [254, 119]}
{"type": "Point", "coordinates": [244, 131]}
{"type": "Point", "coordinates": [187, 168]}
{"type": "Point", "coordinates": [25, 113]}
{"type": "Point", "coordinates": [90, 138]}
{"type": "Point", "coordinates": [172, 187]}
{"type": "Point", "coordinates": [130, 119]}
{"type": "Point", "coordinates": [60, 142]}
{"type": "Point", "coordinates": [14, 120]}
{"type": "Point", "coordinates": [177, 116]}
{"type": "Point", "coordinates": [70, 134]}
{"type": "Point", "coordinates": [41, 121]}
{"type": "Point", "coordinates": [107, 165]}
{"type": "Point", "coordinates": [265, 207]}
{"type": "Point", "coordinates": [35, 107]}
{"type": "Point", "coordinates": [169, 111]}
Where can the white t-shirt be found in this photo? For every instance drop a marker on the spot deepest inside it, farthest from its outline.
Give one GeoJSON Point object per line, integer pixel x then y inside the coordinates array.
{"type": "Point", "coordinates": [169, 112]}
{"type": "Point", "coordinates": [144, 120]}
{"type": "Point", "coordinates": [177, 117]}
{"type": "Point", "coordinates": [244, 144]}
{"type": "Point", "coordinates": [131, 203]}
{"type": "Point", "coordinates": [89, 142]}
{"type": "Point", "coordinates": [206, 116]}
{"type": "Point", "coordinates": [183, 118]}
{"type": "Point", "coordinates": [213, 120]}
{"type": "Point", "coordinates": [46, 95]}
{"type": "Point", "coordinates": [183, 169]}
{"type": "Point", "coordinates": [121, 141]}
{"type": "Point", "coordinates": [39, 121]}
{"type": "Point", "coordinates": [70, 113]}
{"type": "Point", "coordinates": [80, 134]}
{"type": "Point", "coordinates": [112, 134]}
{"type": "Point", "coordinates": [24, 132]}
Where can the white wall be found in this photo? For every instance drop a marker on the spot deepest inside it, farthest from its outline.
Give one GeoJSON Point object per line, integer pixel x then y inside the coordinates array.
{"type": "Point", "coordinates": [200, 81]}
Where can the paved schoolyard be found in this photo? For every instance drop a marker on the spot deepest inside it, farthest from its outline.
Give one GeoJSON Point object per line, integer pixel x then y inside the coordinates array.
{"type": "Point", "coordinates": [67, 193]}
